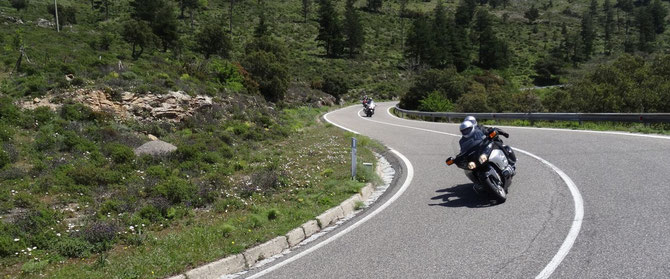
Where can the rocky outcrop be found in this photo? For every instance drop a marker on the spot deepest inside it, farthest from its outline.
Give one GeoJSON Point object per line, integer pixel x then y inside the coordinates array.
{"type": "Point", "coordinates": [173, 106]}
{"type": "Point", "coordinates": [155, 148]}
{"type": "Point", "coordinates": [44, 23]}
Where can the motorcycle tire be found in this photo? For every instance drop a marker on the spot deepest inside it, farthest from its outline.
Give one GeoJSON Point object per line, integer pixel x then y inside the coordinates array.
{"type": "Point", "coordinates": [496, 187]}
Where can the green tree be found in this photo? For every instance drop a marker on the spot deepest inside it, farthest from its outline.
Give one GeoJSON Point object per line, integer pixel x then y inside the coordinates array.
{"type": "Point", "coordinates": [645, 24]}
{"type": "Point", "coordinates": [165, 26]}
{"type": "Point", "coordinates": [353, 29]}
{"type": "Point", "coordinates": [435, 101]}
{"type": "Point", "coordinates": [306, 5]}
{"type": "Point", "coordinates": [138, 34]}
{"type": "Point", "coordinates": [658, 13]}
{"type": "Point", "coordinates": [465, 11]}
{"type": "Point", "coordinates": [212, 40]}
{"type": "Point", "coordinates": [187, 5]}
{"type": "Point", "coordinates": [588, 34]}
{"type": "Point", "coordinates": [66, 15]}
{"type": "Point", "coordinates": [447, 82]}
{"type": "Point", "coordinates": [608, 26]}
{"type": "Point", "coordinates": [330, 30]}
{"type": "Point", "coordinates": [419, 41]}
{"type": "Point", "coordinates": [266, 60]}
{"type": "Point", "coordinates": [493, 52]}
{"type": "Point", "coordinates": [262, 27]}
{"type": "Point", "coordinates": [19, 4]}
{"type": "Point", "coordinates": [441, 54]}
{"type": "Point", "coordinates": [532, 14]}
{"type": "Point", "coordinates": [374, 5]}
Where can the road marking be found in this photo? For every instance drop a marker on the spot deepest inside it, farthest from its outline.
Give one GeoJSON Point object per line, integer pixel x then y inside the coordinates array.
{"type": "Point", "coordinates": [405, 185]}
{"type": "Point", "coordinates": [576, 197]}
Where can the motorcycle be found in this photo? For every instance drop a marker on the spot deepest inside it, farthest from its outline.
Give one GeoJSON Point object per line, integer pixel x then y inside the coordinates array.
{"type": "Point", "coordinates": [486, 164]}
{"type": "Point", "coordinates": [369, 109]}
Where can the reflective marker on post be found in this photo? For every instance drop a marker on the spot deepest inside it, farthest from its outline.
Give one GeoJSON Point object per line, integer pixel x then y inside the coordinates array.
{"type": "Point", "coordinates": [353, 158]}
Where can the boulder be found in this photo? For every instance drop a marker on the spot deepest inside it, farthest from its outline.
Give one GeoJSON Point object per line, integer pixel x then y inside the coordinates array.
{"type": "Point", "coordinates": [155, 148]}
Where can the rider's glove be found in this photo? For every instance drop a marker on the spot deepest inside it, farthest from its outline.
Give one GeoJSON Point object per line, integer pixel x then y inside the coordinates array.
{"type": "Point", "coordinates": [503, 133]}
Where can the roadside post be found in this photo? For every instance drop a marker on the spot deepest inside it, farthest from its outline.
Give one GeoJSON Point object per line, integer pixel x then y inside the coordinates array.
{"type": "Point", "coordinates": [353, 158]}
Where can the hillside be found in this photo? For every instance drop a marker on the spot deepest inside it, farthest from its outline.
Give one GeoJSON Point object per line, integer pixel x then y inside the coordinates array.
{"type": "Point", "coordinates": [240, 106]}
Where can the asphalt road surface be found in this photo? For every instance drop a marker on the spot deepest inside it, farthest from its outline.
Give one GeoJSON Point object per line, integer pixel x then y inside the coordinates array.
{"type": "Point", "coordinates": [436, 226]}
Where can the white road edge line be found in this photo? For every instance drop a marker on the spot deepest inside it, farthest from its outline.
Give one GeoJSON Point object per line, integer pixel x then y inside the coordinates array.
{"type": "Point", "coordinates": [405, 185]}
{"type": "Point", "coordinates": [576, 197]}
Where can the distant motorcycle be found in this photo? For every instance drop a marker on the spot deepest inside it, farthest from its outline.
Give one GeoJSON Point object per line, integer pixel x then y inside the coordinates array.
{"type": "Point", "coordinates": [369, 109]}
{"type": "Point", "coordinates": [487, 166]}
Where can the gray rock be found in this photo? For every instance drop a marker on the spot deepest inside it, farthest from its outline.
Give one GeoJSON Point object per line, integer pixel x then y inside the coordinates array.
{"type": "Point", "coordinates": [155, 148]}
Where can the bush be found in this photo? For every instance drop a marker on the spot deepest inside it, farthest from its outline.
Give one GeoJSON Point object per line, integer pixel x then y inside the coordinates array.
{"type": "Point", "coordinates": [436, 102]}
{"type": "Point", "coordinates": [120, 153]}
{"type": "Point", "coordinates": [76, 112]}
{"type": "Point", "coordinates": [73, 247]}
{"type": "Point", "coordinates": [335, 85]}
{"type": "Point", "coordinates": [176, 190]}
{"type": "Point", "coordinates": [273, 214]}
{"type": "Point", "coordinates": [4, 158]}
{"type": "Point", "coordinates": [100, 234]}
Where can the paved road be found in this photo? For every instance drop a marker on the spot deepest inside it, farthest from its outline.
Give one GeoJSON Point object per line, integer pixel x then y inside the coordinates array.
{"type": "Point", "coordinates": [439, 228]}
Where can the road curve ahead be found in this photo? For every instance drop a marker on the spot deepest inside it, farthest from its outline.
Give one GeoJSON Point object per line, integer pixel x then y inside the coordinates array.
{"type": "Point", "coordinates": [439, 228]}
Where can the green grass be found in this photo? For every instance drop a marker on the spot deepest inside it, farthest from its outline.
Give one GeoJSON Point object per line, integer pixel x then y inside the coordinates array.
{"type": "Point", "coordinates": [269, 186]}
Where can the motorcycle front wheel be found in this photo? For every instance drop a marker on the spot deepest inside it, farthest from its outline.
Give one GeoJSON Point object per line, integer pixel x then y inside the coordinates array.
{"type": "Point", "coordinates": [495, 184]}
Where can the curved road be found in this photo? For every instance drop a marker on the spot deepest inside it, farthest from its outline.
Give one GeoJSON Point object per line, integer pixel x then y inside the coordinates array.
{"type": "Point", "coordinates": [439, 228]}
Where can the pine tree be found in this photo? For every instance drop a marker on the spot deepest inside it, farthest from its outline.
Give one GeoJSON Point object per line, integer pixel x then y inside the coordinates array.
{"type": "Point", "coordinates": [138, 34]}
{"type": "Point", "coordinates": [464, 12]}
{"type": "Point", "coordinates": [419, 41]}
{"type": "Point", "coordinates": [330, 31]}
{"type": "Point", "coordinates": [306, 5]}
{"type": "Point", "coordinates": [440, 55]}
{"type": "Point", "coordinates": [374, 5]}
{"type": "Point", "coordinates": [588, 34]}
{"type": "Point", "coordinates": [212, 39]}
{"type": "Point", "coordinates": [645, 24]}
{"type": "Point", "coordinates": [608, 26]}
{"type": "Point", "coordinates": [353, 29]}
{"type": "Point", "coordinates": [460, 46]}
{"type": "Point", "coordinates": [493, 52]}
{"type": "Point", "coordinates": [658, 14]}
{"type": "Point", "coordinates": [262, 27]}
{"type": "Point", "coordinates": [165, 26]}
{"type": "Point", "coordinates": [532, 14]}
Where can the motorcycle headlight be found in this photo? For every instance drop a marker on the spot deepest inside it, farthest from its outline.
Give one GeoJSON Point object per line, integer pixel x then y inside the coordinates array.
{"type": "Point", "coordinates": [472, 165]}
{"type": "Point", "coordinates": [483, 158]}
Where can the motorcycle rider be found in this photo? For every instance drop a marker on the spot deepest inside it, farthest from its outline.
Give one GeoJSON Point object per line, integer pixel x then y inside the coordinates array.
{"type": "Point", "coordinates": [487, 130]}
{"type": "Point", "coordinates": [366, 101]}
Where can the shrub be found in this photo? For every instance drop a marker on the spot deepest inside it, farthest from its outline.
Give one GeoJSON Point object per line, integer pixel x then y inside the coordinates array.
{"type": "Point", "coordinates": [273, 214]}
{"type": "Point", "coordinates": [120, 153]}
{"type": "Point", "coordinates": [4, 158]}
{"type": "Point", "coordinates": [335, 85]}
{"type": "Point", "coordinates": [43, 115]}
{"type": "Point", "coordinates": [73, 247]}
{"type": "Point", "coordinates": [76, 112]}
{"type": "Point", "coordinates": [176, 190]}
{"type": "Point", "coordinates": [435, 102]}
{"type": "Point", "coordinates": [100, 234]}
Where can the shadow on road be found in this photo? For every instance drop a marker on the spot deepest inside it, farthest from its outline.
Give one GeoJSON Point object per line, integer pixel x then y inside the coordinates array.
{"type": "Point", "coordinates": [461, 196]}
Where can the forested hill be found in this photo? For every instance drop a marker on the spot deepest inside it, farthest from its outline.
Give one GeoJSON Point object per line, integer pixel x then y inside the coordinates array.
{"type": "Point", "coordinates": [375, 47]}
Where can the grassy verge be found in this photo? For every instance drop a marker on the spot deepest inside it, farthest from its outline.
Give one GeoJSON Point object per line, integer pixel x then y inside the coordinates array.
{"type": "Point", "coordinates": [268, 188]}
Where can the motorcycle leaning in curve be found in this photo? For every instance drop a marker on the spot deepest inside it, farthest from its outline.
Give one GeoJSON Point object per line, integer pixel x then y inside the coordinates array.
{"type": "Point", "coordinates": [369, 109]}
{"type": "Point", "coordinates": [486, 164]}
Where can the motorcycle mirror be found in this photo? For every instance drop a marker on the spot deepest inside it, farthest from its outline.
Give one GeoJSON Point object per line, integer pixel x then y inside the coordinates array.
{"type": "Point", "coordinates": [493, 134]}
{"type": "Point", "coordinates": [450, 161]}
